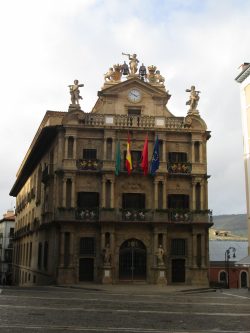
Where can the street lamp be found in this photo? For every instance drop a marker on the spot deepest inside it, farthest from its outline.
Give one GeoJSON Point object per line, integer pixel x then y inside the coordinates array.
{"type": "Point", "coordinates": [230, 251]}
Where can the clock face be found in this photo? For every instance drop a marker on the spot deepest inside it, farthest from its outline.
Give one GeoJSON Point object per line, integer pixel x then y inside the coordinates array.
{"type": "Point", "coordinates": [134, 95]}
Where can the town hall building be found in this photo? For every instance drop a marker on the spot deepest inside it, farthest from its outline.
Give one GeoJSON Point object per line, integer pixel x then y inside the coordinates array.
{"type": "Point", "coordinates": [118, 194]}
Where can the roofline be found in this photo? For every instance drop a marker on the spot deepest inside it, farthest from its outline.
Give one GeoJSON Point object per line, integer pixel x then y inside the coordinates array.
{"type": "Point", "coordinates": [39, 148]}
{"type": "Point", "coordinates": [243, 75]}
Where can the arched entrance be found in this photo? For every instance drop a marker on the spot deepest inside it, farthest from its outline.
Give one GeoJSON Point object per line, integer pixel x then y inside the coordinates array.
{"type": "Point", "coordinates": [132, 260]}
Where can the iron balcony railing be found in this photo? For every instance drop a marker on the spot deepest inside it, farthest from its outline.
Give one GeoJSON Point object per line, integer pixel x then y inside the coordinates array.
{"type": "Point", "coordinates": [179, 168]}
{"type": "Point", "coordinates": [85, 164]}
{"type": "Point", "coordinates": [134, 215]}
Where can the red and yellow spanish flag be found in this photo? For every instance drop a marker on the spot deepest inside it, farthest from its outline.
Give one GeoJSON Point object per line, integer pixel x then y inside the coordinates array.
{"type": "Point", "coordinates": [128, 162]}
{"type": "Point", "coordinates": [144, 157]}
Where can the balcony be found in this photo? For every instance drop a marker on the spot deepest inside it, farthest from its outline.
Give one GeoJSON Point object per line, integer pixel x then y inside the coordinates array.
{"type": "Point", "coordinates": [84, 164]}
{"type": "Point", "coordinates": [129, 121]}
{"type": "Point", "coordinates": [138, 215]}
{"type": "Point", "coordinates": [87, 214]}
{"type": "Point", "coordinates": [179, 168]}
{"type": "Point", "coordinates": [133, 215]}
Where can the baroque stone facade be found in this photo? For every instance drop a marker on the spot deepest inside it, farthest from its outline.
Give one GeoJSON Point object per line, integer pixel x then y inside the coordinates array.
{"type": "Point", "coordinates": [77, 219]}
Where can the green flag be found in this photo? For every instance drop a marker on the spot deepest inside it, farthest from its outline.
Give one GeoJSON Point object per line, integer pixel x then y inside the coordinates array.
{"type": "Point", "coordinates": [117, 158]}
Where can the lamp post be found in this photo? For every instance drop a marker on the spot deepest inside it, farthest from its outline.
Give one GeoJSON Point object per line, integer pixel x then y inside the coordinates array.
{"type": "Point", "coordinates": [230, 251]}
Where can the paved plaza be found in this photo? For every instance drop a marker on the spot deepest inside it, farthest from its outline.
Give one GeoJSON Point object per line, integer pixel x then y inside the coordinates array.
{"type": "Point", "coordinates": [123, 308]}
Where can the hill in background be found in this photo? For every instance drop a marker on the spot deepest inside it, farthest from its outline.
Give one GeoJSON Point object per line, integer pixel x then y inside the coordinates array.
{"type": "Point", "coordinates": [236, 224]}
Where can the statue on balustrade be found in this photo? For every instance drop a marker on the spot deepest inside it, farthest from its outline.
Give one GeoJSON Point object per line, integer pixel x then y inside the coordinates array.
{"type": "Point", "coordinates": [75, 92]}
{"type": "Point", "coordinates": [193, 98]}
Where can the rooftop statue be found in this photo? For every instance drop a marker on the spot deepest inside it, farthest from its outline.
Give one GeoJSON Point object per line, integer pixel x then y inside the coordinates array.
{"type": "Point", "coordinates": [133, 63]}
{"type": "Point", "coordinates": [159, 78]}
{"type": "Point", "coordinates": [142, 72]}
{"type": "Point", "coordinates": [75, 92]}
{"type": "Point", "coordinates": [193, 98]}
{"type": "Point", "coordinates": [125, 69]}
{"type": "Point", "coordinates": [109, 75]}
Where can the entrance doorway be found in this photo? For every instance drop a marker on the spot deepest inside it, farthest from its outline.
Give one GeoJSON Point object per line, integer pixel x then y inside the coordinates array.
{"type": "Point", "coordinates": [178, 270]}
{"type": "Point", "coordinates": [86, 269]}
{"type": "Point", "coordinates": [132, 260]}
{"type": "Point", "coordinates": [243, 279]}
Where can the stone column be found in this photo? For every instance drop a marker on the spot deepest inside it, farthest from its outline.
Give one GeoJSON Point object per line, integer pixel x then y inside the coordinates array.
{"type": "Point", "coordinates": [71, 249]}
{"type": "Point", "coordinates": [163, 151]}
{"type": "Point", "coordinates": [156, 194]}
{"type": "Point", "coordinates": [194, 243]}
{"type": "Point", "coordinates": [103, 192]}
{"type": "Point", "coordinates": [164, 194]}
{"type": "Point", "coordinates": [193, 195]}
{"type": "Point", "coordinates": [73, 193]}
{"type": "Point", "coordinates": [111, 194]}
{"type": "Point", "coordinates": [155, 247]}
{"type": "Point", "coordinates": [66, 147]}
{"type": "Point", "coordinates": [61, 263]}
{"type": "Point", "coordinates": [64, 193]}
{"type": "Point", "coordinates": [105, 148]}
{"type": "Point", "coordinates": [113, 149]}
{"type": "Point", "coordinates": [202, 195]}
{"type": "Point", "coordinates": [201, 151]}
{"type": "Point", "coordinates": [192, 153]}
{"type": "Point", "coordinates": [203, 251]}
{"type": "Point", "coordinates": [60, 150]}
{"type": "Point", "coordinates": [74, 148]}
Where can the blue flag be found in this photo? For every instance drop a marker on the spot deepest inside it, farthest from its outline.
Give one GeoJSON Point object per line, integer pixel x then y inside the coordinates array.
{"type": "Point", "coordinates": [155, 161]}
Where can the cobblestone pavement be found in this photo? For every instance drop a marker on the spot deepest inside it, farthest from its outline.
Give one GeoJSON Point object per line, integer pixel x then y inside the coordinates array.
{"type": "Point", "coordinates": [136, 309]}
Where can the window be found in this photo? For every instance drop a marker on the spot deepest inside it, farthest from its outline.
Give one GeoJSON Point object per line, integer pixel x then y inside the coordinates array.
{"type": "Point", "coordinates": [11, 232]}
{"type": "Point", "coordinates": [178, 201]}
{"type": "Point", "coordinates": [70, 147]}
{"type": "Point", "coordinates": [136, 160]}
{"type": "Point", "coordinates": [178, 247]}
{"type": "Point", "coordinates": [198, 196]}
{"type": "Point", "coordinates": [68, 192]}
{"type": "Point", "coordinates": [109, 148]}
{"type": "Point", "coordinates": [88, 200]}
{"type": "Point", "coordinates": [197, 151]}
{"type": "Point", "coordinates": [133, 200]}
{"type": "Point", "coordinates": [134, 111]}
{"type": "Point", "coordinates": [174, 157]}
{"type": "Point", "coordinates": [89, 154]}
{"type": "Point", "coordinates": [87, 246]}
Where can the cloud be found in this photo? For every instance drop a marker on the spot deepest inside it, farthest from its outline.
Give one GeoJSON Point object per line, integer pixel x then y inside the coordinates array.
{"type": "Point", "coordinates": [48, 44]}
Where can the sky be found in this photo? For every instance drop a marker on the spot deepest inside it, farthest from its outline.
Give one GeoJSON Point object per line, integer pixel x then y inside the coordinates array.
{"type": "Point", "coordinates": [47, 44]}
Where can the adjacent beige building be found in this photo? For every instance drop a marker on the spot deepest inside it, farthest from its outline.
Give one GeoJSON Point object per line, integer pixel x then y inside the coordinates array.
{"type": "Point", "coordinates": [79, 218]}
{"type": "Point", "coordinates": [244, 79]}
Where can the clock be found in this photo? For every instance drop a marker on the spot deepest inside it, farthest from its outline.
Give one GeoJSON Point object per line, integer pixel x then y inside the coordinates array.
{"type": "Point", "coordinates": [134, 95]}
